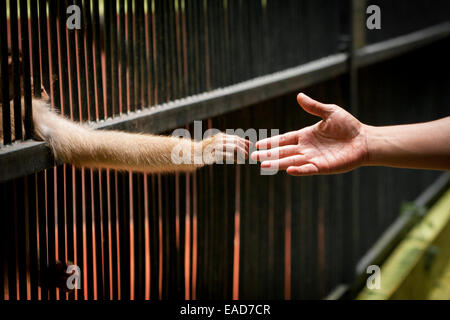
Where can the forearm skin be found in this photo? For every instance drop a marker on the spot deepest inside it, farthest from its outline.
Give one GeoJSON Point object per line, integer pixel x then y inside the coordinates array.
{"type": "Point", "coordinates": [420, 146]}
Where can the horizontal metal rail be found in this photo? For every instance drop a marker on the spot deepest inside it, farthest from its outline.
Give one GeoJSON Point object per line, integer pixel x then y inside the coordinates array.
{"type": "Point", "coordinates": [391, 48]}
{"type": "Point", "coordinates": [24, 158]}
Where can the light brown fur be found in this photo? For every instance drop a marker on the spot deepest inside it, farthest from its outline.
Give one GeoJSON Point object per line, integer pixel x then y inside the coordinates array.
{"type": "Point", "coordinates": [83, 146]}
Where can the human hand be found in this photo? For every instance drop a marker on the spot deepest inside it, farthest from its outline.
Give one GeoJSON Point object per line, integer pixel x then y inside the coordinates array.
{"type": "Point", "coordinates": [336, 144]}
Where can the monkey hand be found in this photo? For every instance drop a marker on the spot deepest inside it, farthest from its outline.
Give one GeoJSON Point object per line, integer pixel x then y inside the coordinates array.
{"type": "Point", "coordinates": [224, 148]}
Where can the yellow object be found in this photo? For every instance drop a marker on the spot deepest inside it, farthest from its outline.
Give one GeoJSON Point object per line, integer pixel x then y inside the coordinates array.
{"type": "Point", "coordinates": [419, 268]}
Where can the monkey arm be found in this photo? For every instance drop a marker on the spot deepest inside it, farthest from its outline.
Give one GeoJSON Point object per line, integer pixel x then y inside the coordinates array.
{"type": "Point", "coordinates": [81, 146]}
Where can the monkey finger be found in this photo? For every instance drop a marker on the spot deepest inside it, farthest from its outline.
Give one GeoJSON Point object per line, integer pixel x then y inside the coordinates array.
{"type": "Point", "coordinates": [240, 142]}
{"type": "Point", "coordinates": [237, 140]}
{"type": "Point", "coordinates": [230, 147]}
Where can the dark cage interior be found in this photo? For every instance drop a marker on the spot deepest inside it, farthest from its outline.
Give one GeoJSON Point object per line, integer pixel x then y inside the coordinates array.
{"type": "Point", "coordinates": [222, 231]}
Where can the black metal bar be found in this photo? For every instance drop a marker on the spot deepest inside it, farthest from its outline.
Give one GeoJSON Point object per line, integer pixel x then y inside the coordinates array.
{"type": "Point", "coordinates": [81, 67]}
{"type": "Point", "coordinates": [89, 223]}
{"type": "Point", "coordinates": [178, 48]}
{"type": "Point", "coordinates": [114, 57]}
{"type": "Point", "coordinates": [100, 110]}
{"type": "Point", "coordinates": [28, 121]}
{"type": "Point", "coordinates": [43, 39]}
{"type": "Point", "coordinates": [17, 66]}
{"type": "Point", "coordinates": [4, 71]}
{"type": "Point", "coordinates": [123, 57]}
{"type": "Point", "coordinates": [68, 107]}
{"type": "Point", "coordinates": [20, 220]}
{"type": "Point", "coordinates": [98, 240]}
{"type": "Point", "coordinates": [137, 50]}
{"type": "Point", "coordinates": [42, 221]}
{"type": "Point", "coordinates": [69, 212]}
{"type": "Point", "coordinates": [51, 234]}
{"type": "Point", "coordinates": [79, 218]}
{"type": "Point", "coordinates": [54, 84]}
{"type": "Point", "coordinates": [75, 111]}
{"type": "Point", "coordinates": [35, 48]}
{"type": "Point", "coordinates": [30, 188]}
{"type": "Point", "coordinates": [90, 68]}
{"type": "Point", "coordinates": [108, 61]}
{"type": "Point", "coordinates": [130, 55]}
{"type": "Point", "coordinates": [60, 221]}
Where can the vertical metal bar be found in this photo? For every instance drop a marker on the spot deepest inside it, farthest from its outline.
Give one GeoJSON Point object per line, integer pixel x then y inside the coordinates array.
{"type": "Point", "coordinates": [81, 67]}
{"type": "Point", "coordinates": [54, 83]}
{"type": "Point", "coordinates": [10, 244]}
{"type": "Point", "coordinates": [154, 242]}
{"type": "Point", "coordinates": [60, 223]}
{"type": "Point", "coordinates": [6, 125]}
{"type": "Point", "coordinates": [35, 48]}
{"type": "Point", "coordinates": [139, 239]}
{"type": "Point", "coordinates": [124, 233]}
{"type": "Point", "coordinates": [150, 66]}
{"type": "Point", "coordinates": [356, 40]}
{"type": "Point", "coordinates": [179, 49]}
{"type": "Point", "coordinates": [89, 47]}
{"type": "Point", "coordinates": [130, 56]}
{"type": "Point", "coordinates": [166, 49]}
{"type": "Point", "coordinates": [80, 73]}
{"type": "Point", "coordinates": [42, 229]}
{"type": "Point", "coordinates": [123, 57]}
{"type": "Point", "coordinates": [172, 50]}
{"type": "Point", "coordinates": [69, 216]}
{"type": "Point", "coordinates": [89, 241]}
{"type": "Point", "coordinates": [75, 112]}
{"type": "Point", "coordinates": [68, 107]}
{"type": "Point", "coordinates": [189, 36]}
{"type": "Point", "coordinates": [113, 238]}
{"type": "Point", "coordinates": [137, 50]}
{"type": "Point", "coordinates": [109, 234]}
{"type": "Point", "coordinates": [51, 235]}
{"type": "Point", "coordinates": [160, 60]}
{"type": "Point", "coordinates": [17, 70]}
{"type": "Point", "coordinates": [43, 41]}
{"type": "Point", "coordinates": [20, 237]}
{"type": "Point", "coordinates": [206, 45]}
{"type": "Point", "coordinates": [114, 59]}
{"type": "Point", "coordinates": [108, 60]}
{"type": "Point", "coordinates": [100, 109]}
{"type": "Point", "coordinates": [196, 38]}
{"type": "Point", "coordinates": [98, 232]}
{"type": "Point", "coordinates": [28, 122]}
{"type": "Point", "coordinates": [73, 176]}
{"type": "Point", "coordinates": [132, 234]}
{"type": "Point", "coordinates": [33, 265]}
{"type": "Point", "coordinates": [184, 46]}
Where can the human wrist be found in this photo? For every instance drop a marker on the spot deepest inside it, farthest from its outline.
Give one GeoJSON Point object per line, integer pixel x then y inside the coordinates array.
{"type": "Point", "coordinates": [375, 145]}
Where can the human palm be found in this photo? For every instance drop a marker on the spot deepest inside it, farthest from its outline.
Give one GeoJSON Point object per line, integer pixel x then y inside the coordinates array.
{"type": "Point", "coordinates": [334, 145]}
